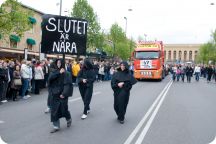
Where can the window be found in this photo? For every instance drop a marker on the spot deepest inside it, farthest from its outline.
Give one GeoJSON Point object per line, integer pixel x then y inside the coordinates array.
{"type": "Point", "coordinates": [165, 55]}
{"type": "Point", "coordinates": [13, 44]}
{"type": "Point", "coordinates": [147, 55]}
{"type": "Point", "coordinates": [174, 55]}
{"type": "Point", "coordinates": [190, 55]}
{"type": "Point", "coordinates": [195, 55]}
{"type": "Point", "coordinates": [169, 55]}
{"type": "Point", "coordinates": [180, 55]}
{"type": "Point", "coordinates": [185, 55]}
{"type": "Point", "coordinates": [30, 47]}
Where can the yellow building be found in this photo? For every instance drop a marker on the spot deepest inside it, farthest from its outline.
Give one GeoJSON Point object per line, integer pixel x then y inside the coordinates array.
{"type": "Point", "coordinates": [181, 52]}
{"type": "Point", "coordinates": [13, 46]}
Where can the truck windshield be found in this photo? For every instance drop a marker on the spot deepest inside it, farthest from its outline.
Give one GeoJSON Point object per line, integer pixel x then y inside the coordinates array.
{"type": "Point", "coordinates": [146, 55]}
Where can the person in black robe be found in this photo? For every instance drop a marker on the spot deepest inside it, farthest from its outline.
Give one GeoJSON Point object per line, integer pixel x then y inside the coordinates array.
{"type": "Point", "coordinates": [60, 88]}
{"type": "Point", "coordinates": [121, 83]}
{"type": "Point", "coordinates": [86, 78]}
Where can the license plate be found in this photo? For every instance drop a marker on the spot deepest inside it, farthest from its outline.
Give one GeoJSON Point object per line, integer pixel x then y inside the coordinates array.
{"type": "Point", "coordinates": [146, 73]}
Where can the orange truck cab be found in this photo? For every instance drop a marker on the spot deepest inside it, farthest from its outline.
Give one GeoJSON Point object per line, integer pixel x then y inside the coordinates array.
{"type": "Point", "coordinates": [148, 60]}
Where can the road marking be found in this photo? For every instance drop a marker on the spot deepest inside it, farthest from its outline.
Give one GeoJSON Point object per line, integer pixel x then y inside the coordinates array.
{"type": "Point", "coordinates": [138, 127]}
{"type": "Point", "coordinates": [79, 98]}
{"type": "Point", "coordinates": [97, 93]}
{"type": "Point", "coordinates": [1, 141]}
{"type": "Point", "coordinates": [213, 142]}
{"type": "Point", "coordinates": [148, 125]}
{"type": "Point", "coordinates": [1, 122]}
{"type": "Point", "coordinates": [75, 99]}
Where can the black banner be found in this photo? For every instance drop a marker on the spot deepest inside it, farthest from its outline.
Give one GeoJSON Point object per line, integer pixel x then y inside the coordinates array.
{"type": "Point", "coordinates": [63, 35]}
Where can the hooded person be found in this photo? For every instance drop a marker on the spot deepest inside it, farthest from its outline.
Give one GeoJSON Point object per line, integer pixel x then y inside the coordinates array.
{"type": "Point", "coordinates": [86, 78]}
{"type": "Point", "coordinates": [121, 83]}
{"type": "Point", "coordinates": [60, 88]}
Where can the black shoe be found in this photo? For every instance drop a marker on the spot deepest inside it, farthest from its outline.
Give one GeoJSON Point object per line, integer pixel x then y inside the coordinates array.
{"type": "Point", "coordinates": [54, 130]}
{"type": "Point", "coordinates": [69, 122]}
{"type": "Point", "coordinates": [121, 121]}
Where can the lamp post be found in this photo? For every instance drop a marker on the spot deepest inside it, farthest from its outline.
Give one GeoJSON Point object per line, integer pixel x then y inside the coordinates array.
{"type": "Point", "coordinates": [145, 35]}
{"type": "Point", "coordinates": [125, 26]}
{"type": "Point", "coordinates": [60, 8]}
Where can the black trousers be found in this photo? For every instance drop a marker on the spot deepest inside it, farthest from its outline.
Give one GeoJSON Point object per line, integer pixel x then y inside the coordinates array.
{"type": "Point", "coordinates": [14, 93]}
{"type": "Point", "coordinates": [120, 105]}
{"type": "Point", "coordinates": [86, 94]}
{"type": "Point", "coordinates": [38, 84]}
{"type": "Point", "coordinates": [3, 90]}
{"type": "Point", "coordinates": [188, 78]}
{"type": "Point", "coordinates": [209, 77]}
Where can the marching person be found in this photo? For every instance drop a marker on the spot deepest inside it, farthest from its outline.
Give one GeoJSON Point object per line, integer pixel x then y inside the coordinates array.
{"type": "Point", "coordinates": [60, 87]}
{"type": "Point", "coordinates": [86, 78]}
{"type": "Point", "coordinates": [121, 84]}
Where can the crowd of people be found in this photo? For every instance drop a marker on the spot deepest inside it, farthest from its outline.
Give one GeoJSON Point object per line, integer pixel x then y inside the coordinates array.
{"type": "Point", "coordinates": [19, 79]}
{"type": "Point", "coordinates": [179, 72]}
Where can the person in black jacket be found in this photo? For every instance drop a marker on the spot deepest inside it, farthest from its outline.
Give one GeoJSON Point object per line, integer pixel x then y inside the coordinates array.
{"type": "Point", "coordinates": [60, 88]}
{"type": "Point", "coordinates": [121, 83]}
{"type": "Point", "coordinates": [210, 72]}
{"type": "Point", "coordinates": [4, 78]}
{"type": "Point", "coordinates": [189, 73]}
{"type": "Point", "coordinates": [86, 78]}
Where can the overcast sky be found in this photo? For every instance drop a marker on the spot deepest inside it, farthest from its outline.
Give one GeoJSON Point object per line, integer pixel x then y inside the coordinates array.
{"type": "Point", "coordinates": [172, 21]}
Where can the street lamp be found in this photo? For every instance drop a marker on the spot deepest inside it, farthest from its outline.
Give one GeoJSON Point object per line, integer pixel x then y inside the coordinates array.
{"type": "Point", "coordinates": [125, 26]}
{"type": "Point", "coordinates": [145, 35]}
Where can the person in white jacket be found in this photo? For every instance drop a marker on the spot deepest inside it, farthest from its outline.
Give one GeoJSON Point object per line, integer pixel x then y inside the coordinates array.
{"type": "Point", "coordinates": [197, 71]}
{"type": "Point", "coordinates": [26, 74]}
{"type": "Point", "coordinates": [38, 76]}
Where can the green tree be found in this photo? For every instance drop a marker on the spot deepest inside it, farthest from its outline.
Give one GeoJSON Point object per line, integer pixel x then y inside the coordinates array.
{"type": "Point", "coordinates": [81, 9]}
{"type": "Point", "coordinates": [14, 19]}
{"type": "Point", "coordinates": [207, 51]}
{"type": "Point", "coordinates": [122, 46]}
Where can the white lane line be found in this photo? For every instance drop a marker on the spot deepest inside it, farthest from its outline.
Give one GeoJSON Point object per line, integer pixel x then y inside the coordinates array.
{"type": "Point", "coordinates": [1, 122]}
{"type": "Point", "coordinates": [75, 99]}
{"type": "Point", "coordinates": [79, 98]}
{"type": "Point", "coordinates": [138, 127]}
{"type": "Point", "coordinates": [148, 125]}
{"type": "Point", "coordinates": [1, 141]}
{"type": "Point", "coordinates": [97, 93]}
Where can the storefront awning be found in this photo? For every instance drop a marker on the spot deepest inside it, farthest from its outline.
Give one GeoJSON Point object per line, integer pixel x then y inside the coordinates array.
{"type": "Point", "coordinates": [32, 20]}
{"type": "Point", "coordinates": [30, 41]}
{"type": "Point", "coordinates": [15, 38]}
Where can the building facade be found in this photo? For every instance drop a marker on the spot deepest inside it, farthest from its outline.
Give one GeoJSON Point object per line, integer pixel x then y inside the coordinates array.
{"type": "Point", "coordinates": [177, 53]}
{"type": "Point", "coordinates": [13, 46]}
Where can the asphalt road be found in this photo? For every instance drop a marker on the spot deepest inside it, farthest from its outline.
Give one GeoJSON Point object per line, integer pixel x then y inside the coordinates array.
{"type": "Point", "coordinates": [158, 113]}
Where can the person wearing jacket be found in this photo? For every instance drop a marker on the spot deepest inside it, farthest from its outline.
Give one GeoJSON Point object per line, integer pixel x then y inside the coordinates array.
{"type": "Point", "coordinates": [121, 83]}
{"type": "Point", "coordinates": [39, 77]}
{"type": "Point", "coordinates": [197, 71]}
{"type": "Point", "coordinates": [86, 78]}
{"type": "Point", "coordinates": [189, 73]}
{"type": "Point", "coordinates": [210, 72]}
{"type": "Point", "coordinates": [15, 88]}
{"type": "Point", "coordinates": [75, 71]}
{"type": "Point", "coordinates": [60, 88]}
{"type": "Point", "coordinates": [3, 81]}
